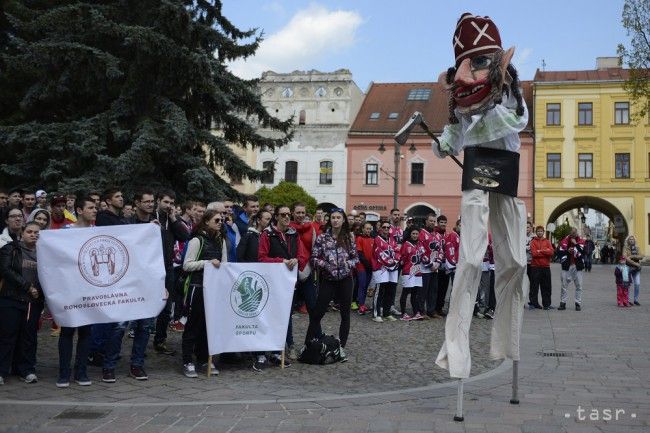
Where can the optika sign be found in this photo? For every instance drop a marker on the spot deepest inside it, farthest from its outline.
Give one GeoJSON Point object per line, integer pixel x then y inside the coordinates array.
{"type": "Point", "coordinates": [103, 260]}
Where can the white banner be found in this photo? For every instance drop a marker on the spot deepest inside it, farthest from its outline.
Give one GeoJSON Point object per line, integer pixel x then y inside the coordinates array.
{"type": "Point", "coordinates": [247, 306]}
{"type": "Point", "coordinates": [102, 274]}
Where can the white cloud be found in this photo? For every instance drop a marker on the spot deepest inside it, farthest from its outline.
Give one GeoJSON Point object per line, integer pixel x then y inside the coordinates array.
{"type": "Point", "coordinates": [274, 7]}
{"type": "Point", "coordinates": [311, 35]}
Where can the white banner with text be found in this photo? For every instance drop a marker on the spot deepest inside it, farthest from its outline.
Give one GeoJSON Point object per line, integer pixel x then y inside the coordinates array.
{"type": "Point", "coordinates": [102, 274]}
{"type": "Point", "coordinates": [247, 306]}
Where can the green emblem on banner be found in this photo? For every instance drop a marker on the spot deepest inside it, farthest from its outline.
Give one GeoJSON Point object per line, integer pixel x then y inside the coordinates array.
{"type": "Point", "coordinates": [249, 294]}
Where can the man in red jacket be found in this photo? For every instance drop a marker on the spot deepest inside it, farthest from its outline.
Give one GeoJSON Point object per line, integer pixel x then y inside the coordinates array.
{"type": "Point", "coordinates": [541, 251]}
{"type": "Point", "coordinates": [307, 233]}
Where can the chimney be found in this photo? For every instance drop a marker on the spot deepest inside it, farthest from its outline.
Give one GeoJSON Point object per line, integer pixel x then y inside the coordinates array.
{"type": "Point", "coordinates": [607, 62]}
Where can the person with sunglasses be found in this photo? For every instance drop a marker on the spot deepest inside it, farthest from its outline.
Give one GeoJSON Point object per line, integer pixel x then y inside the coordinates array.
{"type": "Point", "coordinates": [280, 243]}
{"type": "Point", "coordinates": [386, 259]}
{"type": "Point", "coordinates": [334, 254]}
{"type": "Point", "coordinates": [207, 248]}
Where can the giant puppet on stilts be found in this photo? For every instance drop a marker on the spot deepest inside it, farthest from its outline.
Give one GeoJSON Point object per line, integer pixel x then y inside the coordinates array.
{"type": "Point", "coordinates": [486, 114]}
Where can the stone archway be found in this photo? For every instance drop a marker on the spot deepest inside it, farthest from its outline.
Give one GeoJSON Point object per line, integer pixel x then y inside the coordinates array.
{"type": "Point", "coordinates": [419, 212]}
{"type": "Point", "coordinates": [599, 204]}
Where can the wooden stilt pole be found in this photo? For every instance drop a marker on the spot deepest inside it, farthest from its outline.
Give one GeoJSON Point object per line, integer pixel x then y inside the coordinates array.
{"type": "Point", "coordinates": [515, 382]}
{"type": "Point", "coordinates": [282, 360]}
{"type": "Point", "coordinates": [459, 403]}
{"type": "Point", "coordinates": [209, 369]}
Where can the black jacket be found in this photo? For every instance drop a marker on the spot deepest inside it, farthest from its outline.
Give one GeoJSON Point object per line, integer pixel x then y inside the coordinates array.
{"type": "Point", "coordinates": [14, 285]}
{"type": "Point", "coordinates": [248, 247]}
{"type": "Point", "coordinates": [210, 249]}
{"type": "Point", "coordinates": [108, 218]}
{"type": "Point", "coordinates": [171, 232]}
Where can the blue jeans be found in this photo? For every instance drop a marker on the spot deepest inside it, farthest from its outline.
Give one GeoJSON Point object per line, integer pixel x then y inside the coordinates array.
{"type": "Point", "coordinates": [99, 336]}
{"type": "Point", "coordinates": [143, 328]}
{"type": "Point", "coordinates": [65, 351]}
{"type": "Point", "coordinates": [363, 280]}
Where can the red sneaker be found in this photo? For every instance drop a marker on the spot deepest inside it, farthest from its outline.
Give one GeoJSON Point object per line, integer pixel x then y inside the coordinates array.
{"type": "Point", "coordinates": [178, 327]}
{"type": "Point", "coordinates": [363, 310]}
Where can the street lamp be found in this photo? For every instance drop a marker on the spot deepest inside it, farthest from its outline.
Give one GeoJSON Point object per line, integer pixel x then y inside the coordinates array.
{"type": "Point", "coordinates": [397, 156]}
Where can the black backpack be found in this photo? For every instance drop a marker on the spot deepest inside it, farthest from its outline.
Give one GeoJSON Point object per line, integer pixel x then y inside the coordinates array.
{"type": "Point", "coordinates": [323, 350]}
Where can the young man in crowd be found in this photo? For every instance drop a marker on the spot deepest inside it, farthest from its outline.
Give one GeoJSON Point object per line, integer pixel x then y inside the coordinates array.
{"type": "Point", "coordinates": [86, 211]}
{"type": "Point", "coordinates": [144, 203]}
{"type": "Point", "coordinates": [173, 230]}
{"type": "Point", "coordinates": [451, 247]}
{"type": "Point", "coordinates": [100, 333]}
{"type": "Point", "coordinates": [540, 268]}
{"type": "Point", "coordinates": [29, 203]}
{"type": "Point", "coordinates": [127, 210]}
{"type": "Point", "coordinates": [432, 243]}
{"type": "Point", "coordinates": [571, 253]}
{"type": "Point", "coordinates": [250, 209]}
{"type": "Point", "coordinates": [397, 233]}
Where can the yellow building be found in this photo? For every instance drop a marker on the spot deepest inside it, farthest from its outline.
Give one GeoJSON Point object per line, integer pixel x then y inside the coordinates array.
{"type": "Point", "coordinates": [589, 152]}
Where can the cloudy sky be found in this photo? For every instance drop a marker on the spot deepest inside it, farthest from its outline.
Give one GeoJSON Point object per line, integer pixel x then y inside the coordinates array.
{"type": "Point", "coordinates": [410, 40]}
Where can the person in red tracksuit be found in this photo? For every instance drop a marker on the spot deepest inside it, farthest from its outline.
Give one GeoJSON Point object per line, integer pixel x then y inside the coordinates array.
{"type": "Point", "coordinates": [307, 232]}
{"type": "Point", "coordinates": [386, 260]}
{"type": "Point", "coordinates": [279, 243]}
{"type": "Point", "coordinates": [411, 259]}
{"type": "Point", "coordinates": [432, 243]}
{"type": "Point", "coordinates": [365, 244]}
{"type": "Point", "coordinates": [540, 268]}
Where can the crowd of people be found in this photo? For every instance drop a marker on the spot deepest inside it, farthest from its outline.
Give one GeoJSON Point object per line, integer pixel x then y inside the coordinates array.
{"type": "Point", "coordinates": [345, 263]}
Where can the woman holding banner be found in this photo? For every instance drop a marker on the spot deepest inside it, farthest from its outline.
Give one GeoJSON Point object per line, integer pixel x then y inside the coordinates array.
{"type": "Point", "coordinates": [207, 248]}
{"type": "Point", "coordinates": [21, 303]}
{"type": "Point", "coordinates": [279, 243]}
{"type": "Point", "coordinates": [335, 255]}
{"type": "Point", "coordinates": [247, 252]}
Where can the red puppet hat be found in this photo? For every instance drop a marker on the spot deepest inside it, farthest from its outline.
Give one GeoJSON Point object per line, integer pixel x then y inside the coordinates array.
{"type": "Point", "coordinates": [475, 35]}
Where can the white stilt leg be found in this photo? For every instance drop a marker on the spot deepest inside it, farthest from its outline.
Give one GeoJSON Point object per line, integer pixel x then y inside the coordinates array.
{"type": "Point", "coordinates": [515, 382]}
{"type": "Point", "coordinates": [459, 403]}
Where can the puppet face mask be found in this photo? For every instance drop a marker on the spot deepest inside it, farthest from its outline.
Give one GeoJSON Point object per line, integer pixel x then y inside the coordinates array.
{"type": "Point", "coordinates": [479, 81]}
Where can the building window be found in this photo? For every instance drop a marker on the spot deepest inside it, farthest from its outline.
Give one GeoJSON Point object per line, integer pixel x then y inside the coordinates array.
{"type": "Point", "coordinates": [375, 115]}
{"type": "Point", "coordinates": [585, 113]}
{"type": "Point", "coordinates": [291, 171]}
{"type": "Point", "coordinates": [267, 166]}
{"type": "Point", "coordinates": [326, 172]}
{"type": "Point", "coordinates": [586, 165]}
{"type": "Point", "coordinates": [622, 113]}
{"type": "Point", "coordinates": [320, 92]}
{"type": "Point", "coordinates": [417, 173]}
{"type": "Point", "coordinates": [622, 165]}
{"type": "Point", "coordinates": [302, 117]}
{"type": "Point", "coordinates": [372, 174]}
{"type": "Point", "coordinates": [419, 95]}
{"type": "Point", "coordinates": [287, 92]}
{"type": "Point", "coordinates": [553, 165]}
{"type": "Point", "coordinates": [393, 115]}
{"type": "Point", "coordinates": [552, 114]}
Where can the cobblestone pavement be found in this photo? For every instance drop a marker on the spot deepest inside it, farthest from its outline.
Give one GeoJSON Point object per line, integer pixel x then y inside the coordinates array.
{"type": "Point", "coordinates": [389, 385]}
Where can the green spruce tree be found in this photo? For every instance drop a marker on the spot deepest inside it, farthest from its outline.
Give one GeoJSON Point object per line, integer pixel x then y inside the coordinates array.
{"type": "Point", "coordinates": [127, 93]}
